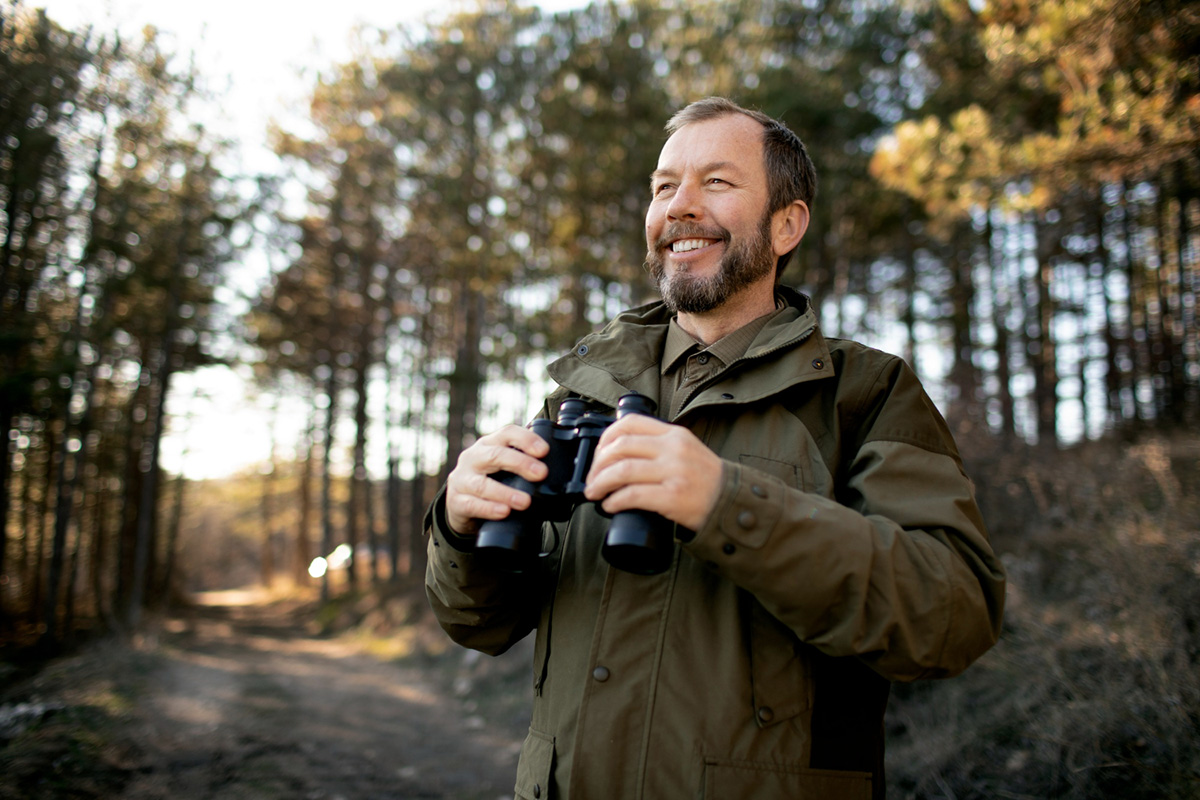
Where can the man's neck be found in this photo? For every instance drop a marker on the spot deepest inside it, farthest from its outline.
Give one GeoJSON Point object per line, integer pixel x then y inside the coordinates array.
{"type": "Point", "coordinates": [711, 326]}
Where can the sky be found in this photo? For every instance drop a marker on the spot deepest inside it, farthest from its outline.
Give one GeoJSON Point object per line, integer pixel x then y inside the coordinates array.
{"type": "Point", "coordinates": [260, 57]}
{"type": "Point", "coordinates": [258, 54]}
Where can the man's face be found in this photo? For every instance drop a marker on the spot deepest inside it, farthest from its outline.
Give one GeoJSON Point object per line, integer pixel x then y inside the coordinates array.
{"type": "Point", "coordinates": [708, 233]}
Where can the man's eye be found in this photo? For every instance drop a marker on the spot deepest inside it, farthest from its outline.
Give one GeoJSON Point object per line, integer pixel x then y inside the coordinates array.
{"type": "Point", "coordinates": [662, 187]}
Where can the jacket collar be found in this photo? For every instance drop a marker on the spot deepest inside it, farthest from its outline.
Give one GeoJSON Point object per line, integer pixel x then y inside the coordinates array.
{"type": "Point", "coordinates": [625, 356]}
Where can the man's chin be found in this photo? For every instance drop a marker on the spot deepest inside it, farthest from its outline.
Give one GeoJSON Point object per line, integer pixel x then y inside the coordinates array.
{"type": "Point", "coordinates": [690, 295]}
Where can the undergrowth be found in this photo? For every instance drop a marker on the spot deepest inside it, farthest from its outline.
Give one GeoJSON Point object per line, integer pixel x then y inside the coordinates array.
{"type": "Point", "coordinates": [1094, 687]}
{"type": "Point", "coordinates": [77, 745]}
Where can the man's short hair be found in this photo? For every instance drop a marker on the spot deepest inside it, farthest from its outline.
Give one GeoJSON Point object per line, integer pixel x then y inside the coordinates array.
{"type": "Point", "coordinates": [791, 174]}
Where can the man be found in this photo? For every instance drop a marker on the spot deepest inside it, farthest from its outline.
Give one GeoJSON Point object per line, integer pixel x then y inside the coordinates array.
{"type": "Point", "coordinates": [827, 540]}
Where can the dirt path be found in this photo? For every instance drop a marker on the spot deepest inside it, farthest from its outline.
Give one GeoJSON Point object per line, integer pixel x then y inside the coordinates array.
{"type": "Point", "coordinates": [241, 702]}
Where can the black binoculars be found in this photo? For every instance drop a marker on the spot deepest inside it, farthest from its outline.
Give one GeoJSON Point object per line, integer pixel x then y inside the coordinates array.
{"type": "Point", "coordinates": [640, 542]}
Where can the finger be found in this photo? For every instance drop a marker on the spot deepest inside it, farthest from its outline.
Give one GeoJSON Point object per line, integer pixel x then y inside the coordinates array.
{"type": "Point", "coordinates": [473, 497]}
{"type": "Point", "coordinates": [515, 436]}
{"type": "Point", "coordinates": [512, 449]}
{"type": "Point", "coordinates": [490, 460]}
{"type": "Point", "coordinates": [634, 424]}
{"type": "Point", "coordinates": [471, 491]}
{"type": "Point", "coordinates": [607, 477]}
{"type": "Point", "coordinates": [665, 447]}
{"type": "Point", "coordinates": [643, 497]}
{"type": "Point", "coordinates": [679, 504]}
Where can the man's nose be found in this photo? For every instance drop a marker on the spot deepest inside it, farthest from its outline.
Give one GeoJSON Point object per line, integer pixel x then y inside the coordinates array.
{"type": "Point", "coordinates": [685, 203]}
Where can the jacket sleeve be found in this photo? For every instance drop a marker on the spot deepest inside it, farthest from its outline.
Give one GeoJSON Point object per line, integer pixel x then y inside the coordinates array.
{"type": "Point", "coordinates": [476, 605]}
{"type": "Point", "coordinates": [897, 570]}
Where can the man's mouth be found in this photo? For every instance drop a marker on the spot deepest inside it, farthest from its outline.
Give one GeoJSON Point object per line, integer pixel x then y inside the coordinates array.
{"type": "Point", "coordinates": [686, 245]}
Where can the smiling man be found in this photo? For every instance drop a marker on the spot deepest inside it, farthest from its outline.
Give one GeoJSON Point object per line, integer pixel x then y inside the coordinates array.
{"type": "Point", "coordinates": [824, 540]}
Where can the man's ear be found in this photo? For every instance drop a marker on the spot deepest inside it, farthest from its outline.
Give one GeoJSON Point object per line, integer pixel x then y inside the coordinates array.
{"type": "Point", "coordinates": [788, 225]}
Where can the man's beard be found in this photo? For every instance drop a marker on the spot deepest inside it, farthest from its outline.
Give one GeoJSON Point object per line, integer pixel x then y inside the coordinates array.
{"type": "Point", "coordinates": [742, 265]}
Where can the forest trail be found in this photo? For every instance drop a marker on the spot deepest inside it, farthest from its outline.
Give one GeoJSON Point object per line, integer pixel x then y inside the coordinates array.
{"type": "Point", "coordinates": [250, 705]}
{"type": "Point", "coordinates": [242, 702]}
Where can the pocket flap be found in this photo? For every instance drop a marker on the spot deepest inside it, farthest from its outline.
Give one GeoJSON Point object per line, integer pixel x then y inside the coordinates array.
{"type": "Point", "coordinates": [781, 675]}
{"type": "Point", "coordinates": [535, 767]}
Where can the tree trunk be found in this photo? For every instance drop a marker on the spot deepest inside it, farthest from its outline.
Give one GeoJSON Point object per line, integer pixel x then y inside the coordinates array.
{"type": "Point", "coordinates": [467, 377]}
{"type": "Point", "coordinates": [1001, 309]}
{"type": "Point", "coordinates": [147, 522]}
{"type": "Point", "coordinates": [267, 508]}
{"type": "Point", "coordinates": [1114, 344]}
{"type": "Point", "coordinates": [908, 317]}
{"type": "Point", "coordinates": [304, 555]}
{"type": "Point", "coordinates": [1139, 326]}
{"type": "Point", "coordinates": [1043, 353]}
{"type": "Point", "coordinates": [172, 546]}
{"type": "Point", "coordinates": [359, 496]}
{"type": "Point", "coordinates": [39, 517]}
{"type": "Point", "coordinates": [327, 478]}
{"type": "Point", "coordinates": [1170, 309]}
{"type": "Point", "coordinates": [963, 375]}
{"type": "Point", "coordinates": [68, 471]}
{"type": "Point", "coordinates": [7, 412]}
{"type": "Point", "coordinates": [147, 519]}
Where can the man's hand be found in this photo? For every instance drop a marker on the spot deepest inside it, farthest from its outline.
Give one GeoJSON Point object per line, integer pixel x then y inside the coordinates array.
{"type": "Point", "coordinates": [645, 463]}
{"type": "Point", "coordinates": [472, 496]}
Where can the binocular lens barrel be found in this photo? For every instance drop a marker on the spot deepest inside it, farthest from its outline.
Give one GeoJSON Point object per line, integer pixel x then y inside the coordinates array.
{"type": "Point", "coordinates": [639, 542]}
{"type": "Point", "coordinates": [509, 543]}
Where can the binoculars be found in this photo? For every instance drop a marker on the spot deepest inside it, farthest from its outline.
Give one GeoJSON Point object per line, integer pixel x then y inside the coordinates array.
{"type": "Point", "coordinates": [640, 542]}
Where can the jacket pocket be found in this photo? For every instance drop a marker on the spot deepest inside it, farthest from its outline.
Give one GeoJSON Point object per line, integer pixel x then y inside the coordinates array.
{"type": "Point", "coordinates": [780, 669]}
{"type": "Point", "coordinates": [756, 780]}
{"type": "Point", "coordinates": [791, 474]}
{"type": "Point", "coordinates": [535, 768]}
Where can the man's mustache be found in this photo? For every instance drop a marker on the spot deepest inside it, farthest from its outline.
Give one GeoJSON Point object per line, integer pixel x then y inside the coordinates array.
{"type": "Point", "coordinates": [689, 230]}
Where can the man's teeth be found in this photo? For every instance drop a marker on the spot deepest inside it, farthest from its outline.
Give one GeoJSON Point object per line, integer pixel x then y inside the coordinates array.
{"type": "Point", "coordinates": [684, 245]}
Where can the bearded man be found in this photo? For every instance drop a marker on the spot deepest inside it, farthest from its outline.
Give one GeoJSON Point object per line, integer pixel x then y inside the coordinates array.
{"type": "Point", "coordinates": [824, 539]}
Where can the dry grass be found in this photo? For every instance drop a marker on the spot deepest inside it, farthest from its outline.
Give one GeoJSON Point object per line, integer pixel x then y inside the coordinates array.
{"type": "Point", "coordinates": [1094, 688]}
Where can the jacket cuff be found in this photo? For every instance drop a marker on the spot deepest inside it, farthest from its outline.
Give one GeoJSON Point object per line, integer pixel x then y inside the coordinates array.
{"type": "Point", "coordinates": [747, 511]}
{"type": "Point", "coordinates": [439, 529]}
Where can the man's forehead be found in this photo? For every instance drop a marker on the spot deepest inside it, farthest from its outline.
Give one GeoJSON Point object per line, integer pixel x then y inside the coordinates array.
{"type": "Point", "coordinates": [729, 141]}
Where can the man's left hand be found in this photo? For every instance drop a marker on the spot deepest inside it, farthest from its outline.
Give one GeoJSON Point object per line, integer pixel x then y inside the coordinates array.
{"type": "Point", "coordinates": [645, 463]}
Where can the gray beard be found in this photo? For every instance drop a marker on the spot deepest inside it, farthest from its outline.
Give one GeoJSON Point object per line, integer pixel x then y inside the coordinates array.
{"type": "Point", "coordinates": [742, 265]}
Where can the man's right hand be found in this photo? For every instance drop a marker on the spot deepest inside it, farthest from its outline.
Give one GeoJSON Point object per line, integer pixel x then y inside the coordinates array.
{"type": "Point", "coordinates": [471, 495]}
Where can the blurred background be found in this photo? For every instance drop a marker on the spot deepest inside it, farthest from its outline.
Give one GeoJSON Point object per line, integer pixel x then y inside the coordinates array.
{"type": "Point", "coordinates": [265, 274]}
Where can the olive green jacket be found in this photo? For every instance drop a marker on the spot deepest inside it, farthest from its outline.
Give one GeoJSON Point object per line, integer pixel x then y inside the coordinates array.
{"type": "Point", "coordinates": [845, 551]}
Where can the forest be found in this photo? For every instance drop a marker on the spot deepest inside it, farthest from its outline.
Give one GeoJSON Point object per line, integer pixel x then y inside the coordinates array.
{"type": "Point", "coordinates": [1009, 198]}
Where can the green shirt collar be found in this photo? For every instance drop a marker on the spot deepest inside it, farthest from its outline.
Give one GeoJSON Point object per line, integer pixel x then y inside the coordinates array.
{"type": "Point", "coordinates": [727, 349]}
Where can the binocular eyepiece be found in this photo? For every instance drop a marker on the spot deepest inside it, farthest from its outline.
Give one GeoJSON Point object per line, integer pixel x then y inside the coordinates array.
{"type": "Point", "coordinates": [637, 541]}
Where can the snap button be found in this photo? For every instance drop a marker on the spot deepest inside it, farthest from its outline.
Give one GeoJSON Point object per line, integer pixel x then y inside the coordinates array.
{"type": "Point", "coordinates": [726, 396]}
{"type": "Point", "coordinates": [728, 549]}
{"type": "Point", "coordinates": [746, 519]}
{"type": "Point", "coordinates": [600, 674]}
{"type": "Point", "coordinates": [758, 491]}
{"type": "Point", "coordinates": [765, 714]}
{"type": "Point", "coordinates": [582, 350]}
{"type": "Point", "coordinates": [818, 363]}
